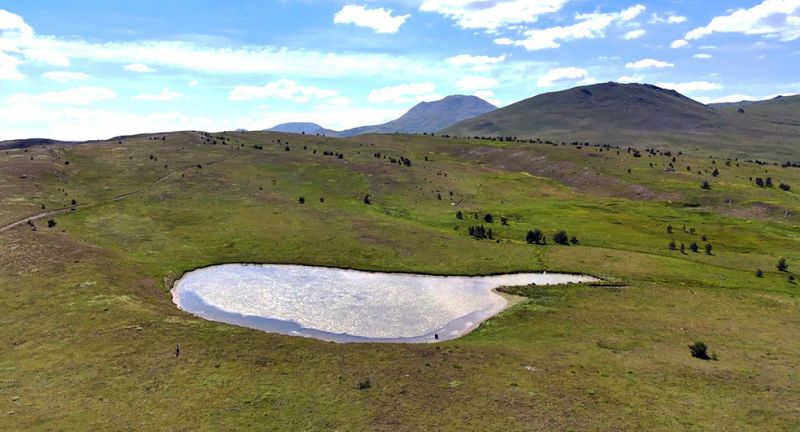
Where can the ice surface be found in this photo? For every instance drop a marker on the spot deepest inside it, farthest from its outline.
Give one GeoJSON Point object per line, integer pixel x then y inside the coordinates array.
{"type": "Point", "coordinates": [348, 305]}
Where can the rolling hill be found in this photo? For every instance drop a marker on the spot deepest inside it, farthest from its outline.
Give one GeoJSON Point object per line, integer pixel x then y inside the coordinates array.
{"type": "Point", "coordinates": [429, 116]}
{"type": "Point", "coordinates": [643, 114]}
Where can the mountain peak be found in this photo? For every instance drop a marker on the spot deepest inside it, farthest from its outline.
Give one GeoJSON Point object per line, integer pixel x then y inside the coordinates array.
{"type": "Point", "coordinates": [430, 116]}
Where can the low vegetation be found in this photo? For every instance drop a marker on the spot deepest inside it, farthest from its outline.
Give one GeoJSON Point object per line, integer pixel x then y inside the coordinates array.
{"type": "Point", "coordinates": [89, 328]}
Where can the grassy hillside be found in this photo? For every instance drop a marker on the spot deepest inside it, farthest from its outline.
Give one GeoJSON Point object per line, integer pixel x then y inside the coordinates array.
{"type": "Point", "coordinates": [89, 328]}
{"type": "Point", "coordinates": [644, 115]}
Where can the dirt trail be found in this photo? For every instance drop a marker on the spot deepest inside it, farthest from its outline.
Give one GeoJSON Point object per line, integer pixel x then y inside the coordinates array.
{"type": "Point", "coordinates": [64, 210]}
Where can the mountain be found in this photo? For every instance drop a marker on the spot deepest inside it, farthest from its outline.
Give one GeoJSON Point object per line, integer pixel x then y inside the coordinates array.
{"type": "Point", "coordinates": [607, 108]}
{"type": "Point", "coordinates": [429, 116]}
{"type": "Point", "coordinates": [301, 127]}
{"type": "Point", "coordinates": [644, 114]}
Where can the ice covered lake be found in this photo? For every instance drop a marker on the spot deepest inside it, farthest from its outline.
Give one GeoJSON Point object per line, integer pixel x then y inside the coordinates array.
{"type": "Point", "coordinates": [348, 305]}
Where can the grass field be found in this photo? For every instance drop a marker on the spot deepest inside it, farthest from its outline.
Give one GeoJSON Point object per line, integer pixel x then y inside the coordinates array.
{"type": "Point", "coordinates": [89, 329]}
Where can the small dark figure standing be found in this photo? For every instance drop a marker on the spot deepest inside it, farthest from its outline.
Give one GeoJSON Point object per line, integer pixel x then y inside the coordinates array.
{"type": "Point", "coordinates": [177, 350]}
{"type": "Point", "coordinates": [436, 336]}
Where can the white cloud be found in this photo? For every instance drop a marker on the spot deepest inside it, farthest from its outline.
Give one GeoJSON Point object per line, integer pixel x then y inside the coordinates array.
{"type": "Point", "coordinates": [492, 15]}
{"type": "Point", "coordinates": [562, 74]}
{"type": "Point", "coordinates": [65, 76]}
{"type": "Point", "coordinates": [678, 43]}
{"type": "Point", "coordinates": [648, 63]}
{"type": "Point", "coordinates": [282, 88]}
{"type": "Point", "coordinates": [471, 60]}
{"type": "Point", "coordinates": [692, 86]}
{"type": "Point", "coordinates": [778, 19]}
{"type": "Point", "coordinates": [634, 34]}
{"type": "Point", "coordinates": [626, 79]}
{"type": "Point", "coordinates": [702, 56]}
{"type": "Point", "coordinates": [139, 68]}
{"type": "Point", "coordinates": [726, 99]}
{"type": "Point", "coordinates": [14, 23]}
{"type": "Point", "coordinates": [165, 95]}
{"type": "Point", "coordinates": [415, 92]}
{"type": "Point", "coordinates": [668, 19]}
{"type": "Point", "coordinates": [488, 96]}
{"type": "Point", "coordinates": [589, 26]}
{"type": "Point", "coordinates": [473, 83]}
{"type": "Point", "coordinates": [193, 83]}
{"type": "Point", "coordinates": [9, 67]}
{"type": "Point", "coordinates": [82, 95]}
{"type": "Point", "coordinates": [504, 41]}
{"type": "Point", "coordinates": [379, 19]}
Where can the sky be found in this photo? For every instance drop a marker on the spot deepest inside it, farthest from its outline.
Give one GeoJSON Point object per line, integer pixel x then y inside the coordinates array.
{"type": "Point", "coordinates": [89, 69]}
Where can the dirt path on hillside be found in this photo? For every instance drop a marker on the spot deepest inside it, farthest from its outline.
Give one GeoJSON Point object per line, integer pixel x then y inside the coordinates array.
{"type": "Point", "coordinates": [64, 210]}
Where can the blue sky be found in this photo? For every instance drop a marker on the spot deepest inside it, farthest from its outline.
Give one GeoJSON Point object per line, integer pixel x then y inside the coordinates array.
{"type": "Point", "coordinates": [86, 69]}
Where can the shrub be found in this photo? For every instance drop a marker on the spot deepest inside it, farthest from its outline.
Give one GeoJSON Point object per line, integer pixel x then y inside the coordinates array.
{"type": "Point", "coordinates": [708, 248]}
{"type": "Point", "coordinates": [535, 237]}
{"type": "Point", "coordinates": [759, 273]}
{"type": "Point", "coordinates": [784, 187]}
{"type": "Point", "coordinates": [488, 218]}
{"type": "Point", "coordinates": [561, 238]}
{"type": "Point", "coordinates": [699, 350]}
{"type": "Point", "coordinates": [51, 223]}
{"type": "Point", "coordinates": [301, 200]}
{"type": "Point", "coordinates": [459, 215]}
{"type": "Point", "coordinates": [365, 385]}
{"type": "Point", "coordinates": [782, 265]}
{"type": "Point", "coordinates": [672, 245]}
{"type": "Point", "coordinates": [367, 200]}
{"type": "Point", "coordinates": [705, 185]}
{"type": "Point", "coordinates": [694, 247]}
{"type": "Point", "coordinates": [669, 229]}
{"type": "Point", "coordinates": [574, 240]}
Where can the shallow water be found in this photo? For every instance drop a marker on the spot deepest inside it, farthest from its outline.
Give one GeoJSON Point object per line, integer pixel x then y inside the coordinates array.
{"type": "Point", "coordinates": [348, 305]}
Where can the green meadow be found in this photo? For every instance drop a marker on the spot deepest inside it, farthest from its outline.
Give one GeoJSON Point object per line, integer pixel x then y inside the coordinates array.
{"type": "Point", "coordinates": [89, 328]}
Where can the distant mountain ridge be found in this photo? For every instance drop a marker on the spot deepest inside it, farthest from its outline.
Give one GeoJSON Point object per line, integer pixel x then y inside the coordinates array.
{"type": "Point", "coordinates": [301, 127]}
{"type": "Point", "coordinates": [429, 116]}
{"type": "Point", "coordinates": [425, 117]}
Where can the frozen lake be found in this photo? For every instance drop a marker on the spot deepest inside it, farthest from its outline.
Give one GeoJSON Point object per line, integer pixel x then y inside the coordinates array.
{"type": "Point", "coordinates": [348, 305]}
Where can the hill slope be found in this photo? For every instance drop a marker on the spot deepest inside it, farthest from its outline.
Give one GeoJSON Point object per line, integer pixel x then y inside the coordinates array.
{"type": "Point", "coordinates": [608, 106]}
{"type": "Point", "coordinates": [429, 116]}
{"type": "Point", "coordinates": [636, 114]}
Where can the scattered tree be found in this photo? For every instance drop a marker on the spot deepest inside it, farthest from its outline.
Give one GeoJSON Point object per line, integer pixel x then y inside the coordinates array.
{"type": "Point", "coordinates": [759, 273]}
{"type": "Point", "coordinates": [574, 240]}
{"type": "Point", "coordinates": [301, 200]}
{"type": "Point", "coordinates": [459, 215]}
{"type": "Point", "coordinates": [705, 185]}
{"type": "Point", "coordinates": [694, 247]}
{"type": "Point", "coordinates": [488, 218]}
{"type": "Point", "coordinates": [535, 237]}
{"type": "Point", "coordinates": [708, 249]}
{"type": "Point", "coordinates": [51, 223]}
{"type": "Point", "coordinates": [669, 229]}
{"type": "Point", "coordinates": [560, 237]}
{"type": "Point", "coordinates": [367, 200]}
{"type": "Point", "coordinates": [672, 245]}
{"type": "Point", "coordinates": [700, 350]}
{"type": "Point", "coordinates": [782, 265]}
